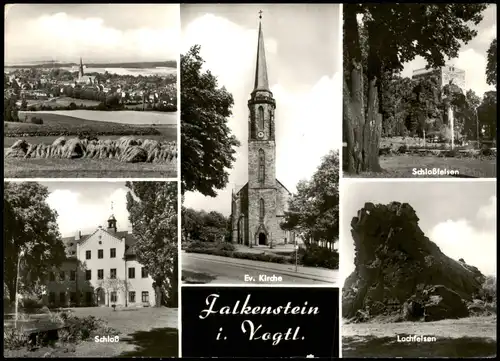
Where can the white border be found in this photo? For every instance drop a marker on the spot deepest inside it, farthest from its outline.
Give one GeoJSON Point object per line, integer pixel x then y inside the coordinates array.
{"type": "Point", "coordinates": [179, 196]}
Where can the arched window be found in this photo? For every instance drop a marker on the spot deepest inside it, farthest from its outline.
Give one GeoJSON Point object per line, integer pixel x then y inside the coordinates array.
{"type": "Point", "coordinates": [271, 120]}
{"type": "Point", "coordinates": [262, 166]}
{"type": "Point", "coordinates": [261, 118]}
{"type": "Point", "coordinates": [262, 210]}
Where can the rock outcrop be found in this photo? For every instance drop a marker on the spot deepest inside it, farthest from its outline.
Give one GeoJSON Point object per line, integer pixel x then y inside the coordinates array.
{"type": "Point", "coordinates": [400, 272]}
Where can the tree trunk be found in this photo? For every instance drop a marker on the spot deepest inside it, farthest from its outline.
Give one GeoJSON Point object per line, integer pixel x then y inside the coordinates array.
{"type": "Point", "coordinates": [158, 296]}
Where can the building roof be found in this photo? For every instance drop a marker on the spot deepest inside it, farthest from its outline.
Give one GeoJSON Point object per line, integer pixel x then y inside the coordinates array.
{"type": "Point", "coordinates": [71, 242]}
{"type": "Point", "coordinates": [277, 181]}
{"type": "Point", "coordinates": [261, 80]}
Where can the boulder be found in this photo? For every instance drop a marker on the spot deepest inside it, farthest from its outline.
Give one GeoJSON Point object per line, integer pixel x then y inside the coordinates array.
{"type": "Point", "coordinates": [398, 269]}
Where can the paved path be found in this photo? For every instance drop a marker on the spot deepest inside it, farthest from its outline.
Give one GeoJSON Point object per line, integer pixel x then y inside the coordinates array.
{"type": "Point", "coordinates": [203, 268]}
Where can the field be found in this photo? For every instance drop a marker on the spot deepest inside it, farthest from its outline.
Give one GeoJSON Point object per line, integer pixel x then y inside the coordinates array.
{"type": "Point", "coordinates": [129, 117]}
{"type": "Point", "coordinates": [56, 125]}
{"type": "Point", "coordinates": [468, 337]}
{"type": "Point", "coordinates": [143, 332]}
{"type": "Point", "coordinates": [62, 102]}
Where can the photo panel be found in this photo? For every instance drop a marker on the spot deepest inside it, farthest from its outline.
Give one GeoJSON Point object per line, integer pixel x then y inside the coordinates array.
{"type": "Point", "coordinates": [420, 261]}
{"type": "Point", "coordinates": [257, 322]}
{"type": "Point", "coordinates": [260, 140]}
{"type": "Point", "coordinates": [91, 269]}
{"type": "Point", "coordinates": [419, 95]}
{"type": "Point", "coordinates": [90, 91]}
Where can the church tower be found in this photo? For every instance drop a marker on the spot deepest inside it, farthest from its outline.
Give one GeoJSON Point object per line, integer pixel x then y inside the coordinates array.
{"type": "Point", "coordinates": [80, 71]}
{"type": "Point", "coordinates": [261, 154]}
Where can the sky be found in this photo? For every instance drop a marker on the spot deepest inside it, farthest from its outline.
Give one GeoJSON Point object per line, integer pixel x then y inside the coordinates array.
{"type": "Point", "coordinates": [304, 59]}
{"type": "Point", "coordinates": [84, 206]}
{"type": "Point", "coordinates": [96, 32]}
{"type": "Point", "coordinates": [459, 216]}
{"type": "Point", "coordinates": [472, 57]}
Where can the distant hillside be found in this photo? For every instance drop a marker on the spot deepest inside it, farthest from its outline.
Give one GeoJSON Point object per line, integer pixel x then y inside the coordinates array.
{"type": "Point", "coordinates": [136, 65]}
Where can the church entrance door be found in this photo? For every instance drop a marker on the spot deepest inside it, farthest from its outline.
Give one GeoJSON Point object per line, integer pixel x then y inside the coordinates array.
{"type": "Point", "coordinates": [262, 239]}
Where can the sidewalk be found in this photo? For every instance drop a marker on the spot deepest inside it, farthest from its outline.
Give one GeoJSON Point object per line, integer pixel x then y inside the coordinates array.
{"type": "Point", "coordinates": [318, 274]}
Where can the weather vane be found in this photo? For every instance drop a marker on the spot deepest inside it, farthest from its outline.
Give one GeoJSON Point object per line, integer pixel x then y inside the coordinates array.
{"type": "Point", "coordinates": [260, 14]}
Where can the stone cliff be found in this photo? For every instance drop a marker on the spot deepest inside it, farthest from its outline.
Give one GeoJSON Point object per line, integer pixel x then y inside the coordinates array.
{"type": "Point", "coordinates": [399, 271]}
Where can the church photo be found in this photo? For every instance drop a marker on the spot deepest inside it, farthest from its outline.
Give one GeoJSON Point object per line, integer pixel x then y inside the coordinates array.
{"type": "Point", "coordinates": [82, 251]}
{"type": "Point", "coordinates": [260, 134]}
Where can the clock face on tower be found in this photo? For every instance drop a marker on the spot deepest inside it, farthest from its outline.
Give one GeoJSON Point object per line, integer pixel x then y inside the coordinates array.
{"type": "Point", "coordinates": [260, 135]}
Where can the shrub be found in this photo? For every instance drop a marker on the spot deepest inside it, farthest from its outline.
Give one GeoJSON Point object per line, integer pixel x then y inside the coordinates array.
{"type": "Point", "coordinates": [31, 305]}
{"type": "Point", "coordinates": [36, 120]}
{"type": "Point", "coordinates": [317, 256]}
{"type": "Point", "coordinates": [80, 329]}
{"type": "Point", "coordinates": [226, 246]}
{"type": "Point", "coordinates": [14, 338]}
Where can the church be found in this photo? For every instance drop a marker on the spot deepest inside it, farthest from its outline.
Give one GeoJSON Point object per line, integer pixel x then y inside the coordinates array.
{"type": "Point", "coordinates": [100, 269]}
{"type": "Point", "coordinates": [84, 79]}
{"type": "Point", "coordinates": [258, 208]}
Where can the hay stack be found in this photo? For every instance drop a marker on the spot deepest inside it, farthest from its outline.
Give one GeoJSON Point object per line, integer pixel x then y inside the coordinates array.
{"type": "Point", "coordinates": [59, 141]}
{"type": "Point", "coordinates": [73, 149]}
{"type": "Point", "coordinates": [134, 154]}
{"type": "Point", "coordinates": [18, 149]}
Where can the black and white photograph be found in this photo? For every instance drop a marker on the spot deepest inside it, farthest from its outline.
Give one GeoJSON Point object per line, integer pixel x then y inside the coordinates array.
{"type": "Point", "coordinates": [419, 98]}
{"type": "Point", "coordinates": [90, 269]}
{"type": "Point", "coordinates": [420, 260]}
{"type": "Point", "coordinates": [90, 90]}
{"type": "Point", "coordinates": [260, 140]}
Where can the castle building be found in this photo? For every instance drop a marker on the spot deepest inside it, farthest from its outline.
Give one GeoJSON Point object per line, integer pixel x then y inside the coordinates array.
{"type": "Point", "coordinates": [445, 75]}
{"type": "Point", "coordinates": [258, 208]}
{"type": "Point", "coordinates": [101, 269]}
{"type": "Point", "coordinates": [84, 79]}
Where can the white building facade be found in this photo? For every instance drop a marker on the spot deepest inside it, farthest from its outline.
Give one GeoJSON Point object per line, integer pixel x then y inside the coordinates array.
{"type": "Point", "coordinates": [101, 270]}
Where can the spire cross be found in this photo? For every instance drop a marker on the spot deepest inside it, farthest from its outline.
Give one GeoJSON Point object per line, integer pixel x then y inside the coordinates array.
{"type": "Point", "coordinates": [260, 14]}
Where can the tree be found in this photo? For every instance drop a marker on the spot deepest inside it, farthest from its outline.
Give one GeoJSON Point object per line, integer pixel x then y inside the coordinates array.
{"type": "Point", "coordinates": [204, 226]}
{"type": "Point", "coordinates": [314, 210]}
{"type": "Point", "coordinates": [487, 113]}
{"type": "Point", "coordinates": [207, 144]}
{"type": "Point", "coordinates": [29, 226]}
{"type": "Point", "coordinates": [152, 208]}
{"type": "Point", "coordinates": [395, 34]}
{"type": "Point", "coordinates": [491, 66]}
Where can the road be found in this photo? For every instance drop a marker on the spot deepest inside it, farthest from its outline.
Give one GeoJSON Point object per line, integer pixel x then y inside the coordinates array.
{"type": "Point", "coordinates": [202, 268]}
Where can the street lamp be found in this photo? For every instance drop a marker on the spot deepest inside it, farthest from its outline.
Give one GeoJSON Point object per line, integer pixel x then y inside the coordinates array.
{"type": "Point", "coordinates": [21, 253]}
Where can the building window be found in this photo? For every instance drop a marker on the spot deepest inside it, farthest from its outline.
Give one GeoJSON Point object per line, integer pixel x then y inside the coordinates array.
{"type": "Point", "coordinates": [261, 166]}
{"type": "Point", "coordinates": [112, 253]}
{"type": "Point", "coordinates": [262, 210]}
{"type": "Point", "coordinates": [72, 297]}
{"type": "Point", "coordinates": [100, 253]}
{"type": "Point", "coordinates": [52, 297]}
{"type": "Point", "coordinates": [261, 118]}
{"type": "Point", "coordinates": [52, 276]}
{"type": "Point", "coordinates": [72, 275]}
{"type": "Point", "coordinates": [144, 272]}
{"type": "Point", "coordinates": [131, 272]}
{"type": "Point", "coordinates": [100, 274]}
{"type": "Point", "coordinates": [62, 276]}
{"type": "Point", "coordinates": [88, 254]}
{"type": "Point", "coordinates": [131, 296]}
{"type": "Point", "coordinates": [88, 275]}
{"type": "Point", "coordinates": [271, 119]}
{"type": "Point", "coordinates": [145, 297]}
{"type": "Point", "coordinates": [114, 297]}
{"type": "Point", "coordinates": [62, 298]}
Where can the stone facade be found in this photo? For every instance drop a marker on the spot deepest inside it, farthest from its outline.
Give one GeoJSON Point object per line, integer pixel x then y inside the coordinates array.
{"type": "Point", "coordinates": [259, 206]}
{"type": "Point", "coordinates": [444, 74]}
{"type": "Point", "coordinates": [100, 270]}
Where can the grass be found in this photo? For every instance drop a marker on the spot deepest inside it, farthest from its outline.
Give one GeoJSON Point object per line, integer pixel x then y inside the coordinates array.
{"type": "Point", "coordinates": [468, 337]}
{"type": "Point", "coordinates": [85, 168]}
{"type": "Point", "coordinates": [62, 102]}
{"type": "Point", "coordinates": [59, 124]}
{"type": "Point", "coordinates": [146, 332]}
{"type": "Point", "coordinates": [401, 166]}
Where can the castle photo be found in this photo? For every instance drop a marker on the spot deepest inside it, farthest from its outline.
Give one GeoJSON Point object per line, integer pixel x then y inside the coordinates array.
{"type": "Point", "coordinates": [269, 138]}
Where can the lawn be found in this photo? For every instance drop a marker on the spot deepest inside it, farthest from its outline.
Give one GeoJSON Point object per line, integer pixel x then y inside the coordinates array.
{"type": "Point", "coordinates": [401, 166]}
{"type": "Point", "coordinates": [66, 101]}
{"type": "Point", "coordinates": [143, 332]}
{"type": "Point", "coordinates": [59, 124]}
{"type": "Point", "coordinates": [85, 168]}
{"type": "Point", "coordinates": [468, 337]}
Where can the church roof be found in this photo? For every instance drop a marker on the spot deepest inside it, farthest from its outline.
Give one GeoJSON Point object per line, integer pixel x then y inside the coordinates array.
{"type": "Point", "coordinates": [277, 181]}
{"type": "Point", "coordinates": [261, 81]}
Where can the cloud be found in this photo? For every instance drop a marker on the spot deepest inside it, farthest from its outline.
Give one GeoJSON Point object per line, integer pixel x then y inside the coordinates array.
{"type": "Point", "coordinates": [489, 211]}
{"type": "Point", "coordinates": [65, 37]}
{"type": "Point", "coordinates": [308, 115]}
{"type": "Point", "coordinates": [75, 214]}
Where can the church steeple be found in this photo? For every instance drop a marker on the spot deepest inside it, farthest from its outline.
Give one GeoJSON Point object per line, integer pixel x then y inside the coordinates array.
{"type": "Point", "coordinates": [80, 72]}
{"type": "Point", "coordinates": [261, 81]}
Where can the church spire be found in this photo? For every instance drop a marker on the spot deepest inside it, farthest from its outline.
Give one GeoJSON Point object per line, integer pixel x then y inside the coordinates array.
{"type": "Point", "coordinates": [81, 68]}
{"type": "Point", "coordinates": [261, 81]}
